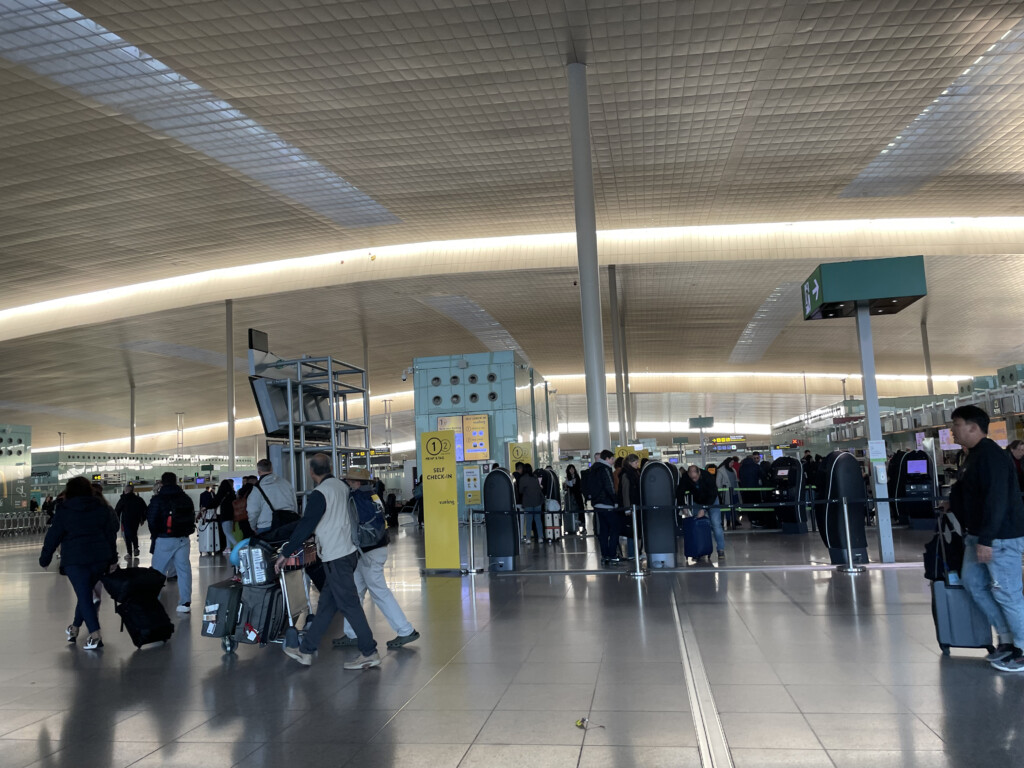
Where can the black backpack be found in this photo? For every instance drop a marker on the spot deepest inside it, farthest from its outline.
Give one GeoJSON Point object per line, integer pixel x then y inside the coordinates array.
{"type": "Point", "coordinates": [587, 483]}
{"type": "Point", "coordinates": [179, 516]}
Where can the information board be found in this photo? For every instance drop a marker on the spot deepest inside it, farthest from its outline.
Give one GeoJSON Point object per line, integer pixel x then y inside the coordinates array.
{"type": "Point", "coordinates": [477, 437]}
{"type": "Point", "coordinates": [440, 501]}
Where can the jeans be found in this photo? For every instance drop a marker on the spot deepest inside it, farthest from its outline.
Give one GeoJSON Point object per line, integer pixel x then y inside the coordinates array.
{"type": "Point", "coordinates": [369, 576]}
{"type": "Point", "coordinates": [612, 523]}
{"type": "Point", "coordinates": [228, 529]}
{"type": "Point", "coordinates": [83, 579]}
{"type": "Point", "coordinates": [715, 516]}
{"type": "Point", "coordinates": [131, 539]}
{"type": "Point", "coordinates": [167, 551]}
{"type": "Point", "coordinates": [996, 586]}
{"type": "Point", "coordinates": [340, 595]}
{"type": "Point", "coordinates": [533, 516]}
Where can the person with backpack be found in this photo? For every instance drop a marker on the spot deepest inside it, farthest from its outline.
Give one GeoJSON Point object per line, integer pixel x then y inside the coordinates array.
{"type": "Point", "coordinates": [271, 500]}
{"type": "Point", "coordinates": [369, 575]}
{"type": "Point", "coordinates": [327, 513]}
{"type": "Point", "coordinates": [172, 521]}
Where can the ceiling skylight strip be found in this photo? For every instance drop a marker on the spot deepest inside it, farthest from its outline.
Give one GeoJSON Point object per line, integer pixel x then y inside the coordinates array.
{"type": "Point", "coordinates": [981, 102]}
{"type": "Point", "coordinates": [57, 42]}
{"type": "Point", "coordinates": [478, 321]}
{"type": "Point", "coordinates": [775, 313]}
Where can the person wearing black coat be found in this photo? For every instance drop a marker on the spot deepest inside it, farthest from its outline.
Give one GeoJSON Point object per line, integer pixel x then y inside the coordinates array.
{"type": "Point", "coordinates": [86, 532]}
{"type": "Point", "coordinates": [703, 490]}
{"type": "Point", "coordinates": [223, 502]}
{"type": "Point", "coordinates": [131, 514]}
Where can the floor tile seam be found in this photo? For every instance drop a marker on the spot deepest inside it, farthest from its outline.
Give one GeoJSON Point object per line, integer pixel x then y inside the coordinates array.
{"type": "Point", "coordinates": [694, 674]}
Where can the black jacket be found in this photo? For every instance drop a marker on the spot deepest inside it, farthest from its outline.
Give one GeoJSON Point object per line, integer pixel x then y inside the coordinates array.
{"type": "Point", "coordinates": [223, 502]}
{"type": "Point", "coordinates": [601, 485]}
{"type": "Point", "coordinates": [749, 475]}
{"type": "Point", "coordinates": [130, 511]}
{"type": "Point", "coordinates": [85, 530]}
{"type": "Point", "coordinates": [704, 491]}
{"type": "Point", "coordinates": [991, 497]}
{"type": "Point", "coordinates": [161, 505]}
{"type": "Point", "coordinates": [629, 486]}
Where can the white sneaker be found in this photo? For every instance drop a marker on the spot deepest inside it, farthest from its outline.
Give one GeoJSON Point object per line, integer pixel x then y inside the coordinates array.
{"type": "Point", "coordinates": [363, 662]}
{"type": "Point", "coordinates": [184, 608]}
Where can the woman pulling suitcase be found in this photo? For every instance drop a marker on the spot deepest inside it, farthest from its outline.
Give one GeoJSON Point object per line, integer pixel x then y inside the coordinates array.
{"type": "Point", "coordinates": [86, 531]}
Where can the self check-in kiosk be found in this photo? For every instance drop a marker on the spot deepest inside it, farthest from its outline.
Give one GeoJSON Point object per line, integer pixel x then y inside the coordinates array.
{"type": "Point", "coordinates": [787, 494]}
{"type": "Point", "coordinates": [658, 498]}
{"type": "Point", "coordinates": [840, 478]}
{"type": "Point", "coordinates": [499, 497]}
{"type": "Point", "coordinates": [915, 490]}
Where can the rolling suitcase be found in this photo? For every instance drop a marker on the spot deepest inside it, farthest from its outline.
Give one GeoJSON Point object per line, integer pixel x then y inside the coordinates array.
{"type": "Point", "coordinates": [959, 623]}
{"type": "Point", "coordinates": [697, 538]}
{"type": "Point", "coordinates": [261, 614]}
{"type": "Point", "coordinates": [256, 564]}
{"type": "Point", "coordinates": [133, 584]}
{"type": "Point", "coordinates": [206, 530]}
{"type": "Point", "coordinates": [146, 621]}
{"type": "Point", "coordinates": [552, 525]}
{"type": "Point", "coordinates": [220, 612]}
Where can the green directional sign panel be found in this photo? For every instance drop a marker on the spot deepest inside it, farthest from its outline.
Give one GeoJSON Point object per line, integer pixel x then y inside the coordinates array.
{"type": "Point", "coordinates": [811, 293]}
{"type": "Point", "coordinates": [680, 440]}
{"type": "Point", "coordinates": [886, 286]}
{"type": "Point", "coordinates": [702, 422]}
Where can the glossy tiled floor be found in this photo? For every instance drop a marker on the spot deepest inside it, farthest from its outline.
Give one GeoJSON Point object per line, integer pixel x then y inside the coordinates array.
{"type": "Point", "coordinates": [806, 668]}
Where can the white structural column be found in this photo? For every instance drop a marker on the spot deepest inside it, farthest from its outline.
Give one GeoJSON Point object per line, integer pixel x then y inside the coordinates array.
{"type": "Point", "coordinates": [586, 253]}
{"type": "Point", "coordinates": [927, 355]}
{"type": "Point", "coordinates": [627, 395]}
{"type": "Point", "coordinates": [876, 444]}
{"type": "Point", "coordinates": [229, 352]}
{"type": "Point", "coordinates": [620, 392]}
{"type": "Point", "coordinates": [131, 414]}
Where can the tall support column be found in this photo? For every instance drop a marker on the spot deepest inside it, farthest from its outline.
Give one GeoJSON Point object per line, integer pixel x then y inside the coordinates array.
{"type": "Point", "coordinates": [131, 415]}
{"type": "Point", "coordinates": [586, 253]}
{"type": "Point", "coordinates": [547, 416]}
{"type": "Point", "coordinates": [620, 393]}
{"type": "Point", "coordinates": [927, 355]}
{"type": "Point", "coordinates": [366, 367]}
{"type": "Point", "coordinates": [627, 395]}
{"type": "Point", "coordinates": [229, 353]}
{"type": "Point", "coordinates": [876, 444]}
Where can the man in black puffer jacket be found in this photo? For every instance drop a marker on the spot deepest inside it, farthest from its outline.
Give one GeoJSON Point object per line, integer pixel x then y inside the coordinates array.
{"type": "Point", "coordinates": [131, 512]}
{"type": "Point", "coordinates": [605, 502]}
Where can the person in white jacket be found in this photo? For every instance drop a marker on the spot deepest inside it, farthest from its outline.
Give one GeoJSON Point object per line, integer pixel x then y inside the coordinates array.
{"type": "Point", "coordinates": [271, 492]}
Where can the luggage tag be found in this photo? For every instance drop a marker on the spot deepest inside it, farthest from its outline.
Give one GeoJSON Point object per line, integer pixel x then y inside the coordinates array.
{"type": "Point", "coordinates": [251, 634]}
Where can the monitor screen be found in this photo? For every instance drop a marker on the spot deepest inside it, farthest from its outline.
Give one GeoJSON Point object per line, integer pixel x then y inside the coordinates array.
{"type": "Point", "coordinates": [782, 473]}
{"type": "Point", "coordinates": [917, 467]}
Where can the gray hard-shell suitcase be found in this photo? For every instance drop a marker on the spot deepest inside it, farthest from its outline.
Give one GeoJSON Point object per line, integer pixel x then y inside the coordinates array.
{"type": "Point", "coordinates": [220, 611]}
{"type": "Point", "coordinates": [206, 530]}
{"type": "Point", "coordinates": [959, 623]}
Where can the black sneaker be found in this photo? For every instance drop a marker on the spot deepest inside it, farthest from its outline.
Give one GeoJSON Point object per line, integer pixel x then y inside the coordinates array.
{"type": "Point", "coordinates": [1002, 652]}
{"type": "Point", "coordinates": [1014, 663]}
{"type": "Point", "coordinates": [721, 554]}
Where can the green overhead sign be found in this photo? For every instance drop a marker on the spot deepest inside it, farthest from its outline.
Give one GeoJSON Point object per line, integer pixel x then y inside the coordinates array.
{"type": "Point", "coordinates": [702, 422]}
{"type": "Point", "coordinates": [886, 285]}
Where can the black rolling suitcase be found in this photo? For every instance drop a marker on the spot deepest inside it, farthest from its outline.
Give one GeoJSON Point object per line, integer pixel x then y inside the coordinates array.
{"type": "Point", "coordinates": [146, 621]}
{"type": "Point", "coordinates": [261, 615]}
{"type": "Point", "coordinates": [133, 584]}
{"type": "Point", "coordinates": [220, 612]}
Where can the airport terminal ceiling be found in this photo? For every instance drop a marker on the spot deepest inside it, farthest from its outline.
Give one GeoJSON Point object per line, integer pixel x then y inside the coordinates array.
{"type": "Point", "coordinates": [138, 148]}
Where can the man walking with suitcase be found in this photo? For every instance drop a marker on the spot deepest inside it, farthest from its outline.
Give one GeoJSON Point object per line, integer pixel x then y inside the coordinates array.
{"type": "Point", "coordinates": [172, 521]}
{"type": "Point", "coordinates": [994, 535]}
{"type": "Point", "coordinates": [327, 513]}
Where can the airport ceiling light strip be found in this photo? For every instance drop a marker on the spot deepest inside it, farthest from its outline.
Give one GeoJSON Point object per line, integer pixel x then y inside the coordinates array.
{"type": "Point", "coordinates": [951, 378]}
{"type": "Point", "coordinates": [981, 103]}
{"type": "Point", "coordinates": [57, 42]}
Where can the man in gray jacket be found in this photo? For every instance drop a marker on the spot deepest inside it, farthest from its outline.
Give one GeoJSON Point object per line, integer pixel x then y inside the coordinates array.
{"type": "Point", "coordinates": [271, 492]}
{"type": "Point", "coordinates": [326, 512]}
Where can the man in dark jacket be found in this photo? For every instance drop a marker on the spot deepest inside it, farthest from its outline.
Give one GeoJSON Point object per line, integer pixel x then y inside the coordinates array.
{"type": "Point", "coordinates": [993, 535]}
{"type": "Point", "coordinates": [130, 511]}
{"type": "Point", "coordinates": [172, 521]}
{"type": "Point", "coordinates": [703, 490]}
{"type": "Point", "coordinates": [605, 503]}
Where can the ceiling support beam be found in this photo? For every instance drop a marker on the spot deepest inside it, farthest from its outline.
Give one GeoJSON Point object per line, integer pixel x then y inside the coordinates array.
{"type": "Point", "coordinates": [613, 308]}
{"type": "Point", "coordinates": [229, 363]}
{"type": "Point", "coordinates": [927, 355]}
{"type": "Point", "coordinates": [586, 253]}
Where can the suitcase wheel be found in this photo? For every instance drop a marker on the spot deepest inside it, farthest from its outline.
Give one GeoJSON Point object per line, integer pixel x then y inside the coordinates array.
{"type": "Point", "coordinates": [228, 644]}
{"type": "Point", "coordinates": [945, 649]}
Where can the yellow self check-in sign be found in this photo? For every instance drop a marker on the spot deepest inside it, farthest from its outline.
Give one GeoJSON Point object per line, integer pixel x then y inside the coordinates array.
{"type": "Point", "coordinates": [440, 501]}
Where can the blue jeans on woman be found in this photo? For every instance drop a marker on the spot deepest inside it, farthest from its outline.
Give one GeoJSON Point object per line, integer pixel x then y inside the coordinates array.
{"type": "Point", "coordinates": [83, 579]}
{"type": "Point", "coordinates": [531, 516]}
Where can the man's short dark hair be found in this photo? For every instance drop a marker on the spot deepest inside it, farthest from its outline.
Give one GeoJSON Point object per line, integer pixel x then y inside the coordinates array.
{"type": "Point", "coordinates": [320, 464]}
{"type": "Point", "coordinates": [974, 415]}
{"type": "Point", "coordinates": [605, 454]}
{"type": "Point", "coordinates": [519, 465]}
{"type": "Point", "coordinates": [168, 478]}
{"type": "Point", "coordinates": [264, 465]}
